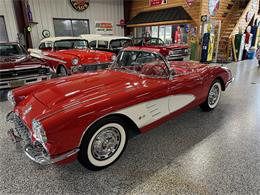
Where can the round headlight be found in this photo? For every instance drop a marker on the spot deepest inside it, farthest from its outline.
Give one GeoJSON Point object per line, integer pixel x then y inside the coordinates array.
{"type": "Point", "coordinates": [113, 58]}
{"type": "Point", "coordinates": [38, 131]}
{"type": "Point", "coordinates": [10, 98]}
{"type": "Point", "coordinates": [75, 61]}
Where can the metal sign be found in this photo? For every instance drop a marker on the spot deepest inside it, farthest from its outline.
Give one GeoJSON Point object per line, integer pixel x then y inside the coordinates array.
{"type": "Point", "coordinates": [79, 5]}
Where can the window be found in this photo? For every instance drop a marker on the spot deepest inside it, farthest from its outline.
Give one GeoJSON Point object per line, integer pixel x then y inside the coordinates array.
{"type": "Point", "coordinates": [140, 62]}
{"type": "Point", "coordinates": [119, 43]}
{"type": "Point", "coordinates": [46, 45]}
{"type": "Point", "coordinates": [70, 27]}
{"type": "Point", "coordinates": [11, 50]}
{"type": "Point", "coordinates": [155, 42]}
{"type": "Point", "coordinates": [103, 44]}
{"type": "Point", "coordinates": [70, 44]}
{"type": "Point", "coordinates": [3, 32]}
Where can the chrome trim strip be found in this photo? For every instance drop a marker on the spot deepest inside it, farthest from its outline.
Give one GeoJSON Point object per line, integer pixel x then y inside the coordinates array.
{"type": "Point", "coordinates": [23, 68]}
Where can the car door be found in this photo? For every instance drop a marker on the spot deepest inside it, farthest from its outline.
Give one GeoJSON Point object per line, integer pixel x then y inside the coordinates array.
{"type": "Point", "coordinates": [184, 90]}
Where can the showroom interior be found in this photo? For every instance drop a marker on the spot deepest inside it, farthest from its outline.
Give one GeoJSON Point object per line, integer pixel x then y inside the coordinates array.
{"type": "Point", "coordinates": [130, 96]}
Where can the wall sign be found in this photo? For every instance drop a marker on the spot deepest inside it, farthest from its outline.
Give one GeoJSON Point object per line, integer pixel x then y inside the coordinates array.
{"type": "Point", "coordinates": [213, 7]}
{"type": "Point", "coordinates": [79, 5]}
{"type": "Point", "coordinates": [104, 28]}
{"type": "Point", "coordinates": [190, 2]}
{"type": "Point", "coordinates": [157, 2]}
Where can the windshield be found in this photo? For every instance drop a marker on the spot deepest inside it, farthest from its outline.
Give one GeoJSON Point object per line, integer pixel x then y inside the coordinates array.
{"type": "Point", "coordinates": [70, 44]}
{"type": "Point", "coordinates": [120, 43]}
{"type": "Point", "coordinates": [155, 41]}
{"type": "Point", "coordinates": [141, 62]}
{"type": "Point", "coordinates": [11, 50]}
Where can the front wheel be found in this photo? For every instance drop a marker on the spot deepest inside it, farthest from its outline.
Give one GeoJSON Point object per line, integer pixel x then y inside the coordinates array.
{"type": "Point", "coordinates": [213, 97]}
{"type": "Point", "coordinates": [103, 143]}
{"type": "Point", "coordinates": [62, 71]}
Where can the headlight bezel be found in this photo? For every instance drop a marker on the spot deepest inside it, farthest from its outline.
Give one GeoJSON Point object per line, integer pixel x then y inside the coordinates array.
{"type": "Point", "coordinates": [11, 98]}
{"type": "Point", "coordinates": [75, 61]}
{"type": "Point", "coordinates": [113, 57]}
{"type": "Point", "coordinates": [39, 132]}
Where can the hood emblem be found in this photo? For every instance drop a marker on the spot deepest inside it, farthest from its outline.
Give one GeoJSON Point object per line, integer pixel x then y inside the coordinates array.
{"type": "Point", "coordinates": [27, 109]}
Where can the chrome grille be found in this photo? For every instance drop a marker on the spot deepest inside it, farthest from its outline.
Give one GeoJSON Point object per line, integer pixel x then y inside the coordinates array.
{"type": "Point", "coordinates": [21, 129]}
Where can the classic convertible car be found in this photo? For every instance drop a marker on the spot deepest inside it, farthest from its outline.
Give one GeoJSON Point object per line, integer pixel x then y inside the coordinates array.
{"type": "Point", "coordinates": [175, 52]}
{"type": "Point", "coordinates": [90, 116]}
{"type": "Point", "coordinates": [69, 55]}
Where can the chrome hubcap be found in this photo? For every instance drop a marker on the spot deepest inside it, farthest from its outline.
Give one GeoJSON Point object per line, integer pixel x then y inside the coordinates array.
{"type": "Point", "coordinates": [213, 95]}
{"type": "Point", "coordinates": [106, 143]}
{"type": "Point", "coordinates": [63, 72]}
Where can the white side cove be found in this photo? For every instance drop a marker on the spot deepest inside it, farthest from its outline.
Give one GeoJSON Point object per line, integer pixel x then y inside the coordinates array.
{"type": "Point", "coordinates": [145, 113]}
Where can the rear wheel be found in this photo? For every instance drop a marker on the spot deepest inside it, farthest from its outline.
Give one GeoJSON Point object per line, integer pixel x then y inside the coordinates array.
{"type": "Point", "coordinates": [103, 143]}
{"type": "Point", "coordinates": [213, 97]}
{"type": "Point", "coordinates": [62, 71]}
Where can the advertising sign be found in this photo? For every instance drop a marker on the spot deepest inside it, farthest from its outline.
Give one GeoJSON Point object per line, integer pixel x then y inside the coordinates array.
{"type": "Point", "coordinates": [80, 5]}
{"type": "Point", "coordinates": [104, 28]}
{"type": "Point", "coordinates": [157, 2]}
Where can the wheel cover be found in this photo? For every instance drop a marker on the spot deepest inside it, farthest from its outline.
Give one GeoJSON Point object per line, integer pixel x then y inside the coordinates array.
{"type": "Point", "coordinates": [99, 156]}
{"type": "Point", "coordinates": [214, 95]}
{"type": "Point", "coordinates": [106, 143]}
{"type": "Point", "coordinates": [63, 71]}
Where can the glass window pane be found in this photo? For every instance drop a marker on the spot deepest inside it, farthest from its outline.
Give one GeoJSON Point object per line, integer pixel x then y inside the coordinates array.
{"type": "Point", "coordinates": [155, 31]}
{"type": "Point", "coordinates": [62, 27]}
{"type": "Point", "coordinates": [162, 33]}
{"type": "Point", "coordinates": [80, 27]}
{"type": "Point", "coordinates": [168, 34]}
{"type": "Point", "coordinates": [3, 32]}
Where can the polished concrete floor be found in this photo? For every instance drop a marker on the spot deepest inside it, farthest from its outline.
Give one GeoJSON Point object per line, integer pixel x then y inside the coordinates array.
{"type": "Point", "coordinates": [195, 153]}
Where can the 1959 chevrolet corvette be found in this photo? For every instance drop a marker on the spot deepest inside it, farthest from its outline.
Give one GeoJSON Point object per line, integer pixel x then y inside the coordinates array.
{"type": "Point", "coordinates": [90, 116]}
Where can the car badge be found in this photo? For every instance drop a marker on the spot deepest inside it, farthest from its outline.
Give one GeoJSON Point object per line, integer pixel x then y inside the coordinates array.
{"type": "Point", "coordinates": [27, 109]}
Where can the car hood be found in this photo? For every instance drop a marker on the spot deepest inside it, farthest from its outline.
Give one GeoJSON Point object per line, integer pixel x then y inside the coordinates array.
{"type": "Point", "coordinates": [176, 46]}
{"type": "Point", "coordinates": [83, 87]}
{"type": "Point", "coordinates": [13, 62]}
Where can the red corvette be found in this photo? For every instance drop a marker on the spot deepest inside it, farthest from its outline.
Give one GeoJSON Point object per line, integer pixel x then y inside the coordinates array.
{"type": "Point", "coordinates": [90, 116]}
{"type": "Point", "coordinates": [69, 55]}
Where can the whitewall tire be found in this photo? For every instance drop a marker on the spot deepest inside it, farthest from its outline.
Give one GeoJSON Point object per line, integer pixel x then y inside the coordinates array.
{"type": "Point", "coordinates": [213, 97]}
{"type": "Point", "coordinates": [103, 143]}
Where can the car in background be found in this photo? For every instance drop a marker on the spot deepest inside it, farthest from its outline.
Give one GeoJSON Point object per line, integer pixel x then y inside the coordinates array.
{"type": "Point", "coordinates": [107, 43]}
{"type": "Point", "coordinates": [70, 55]}
{"type": "Point", "coordinates": [18, 68]}
{"type": "Point", "coordinates": [174, 52]}
{"type": "Point", "coordinates": [90, 116]}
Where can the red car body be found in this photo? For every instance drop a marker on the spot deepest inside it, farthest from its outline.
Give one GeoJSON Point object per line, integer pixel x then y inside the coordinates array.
{"type": "Point", "coordinates": [175, 52]}
{"type": "Point", "coordinates": [18, 68]}
{"type": "Point", "coordinates": [67, 107]}
{"type": "Point", "coordinates": [88, 60]}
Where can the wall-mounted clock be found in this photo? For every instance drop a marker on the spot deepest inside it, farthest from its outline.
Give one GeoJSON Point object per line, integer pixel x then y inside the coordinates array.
{"type": "Point", "coordinates": [46, 33]}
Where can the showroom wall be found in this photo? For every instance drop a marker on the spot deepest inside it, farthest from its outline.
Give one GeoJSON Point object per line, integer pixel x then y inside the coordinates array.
{"type": "Point", "coordinates": [44, 11]}
{"type": "Point", "coordinates": [7, 10]}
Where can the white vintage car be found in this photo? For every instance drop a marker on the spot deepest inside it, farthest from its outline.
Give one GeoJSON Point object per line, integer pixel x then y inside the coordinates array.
{"type": "Point", "coordinates": [106, 42]}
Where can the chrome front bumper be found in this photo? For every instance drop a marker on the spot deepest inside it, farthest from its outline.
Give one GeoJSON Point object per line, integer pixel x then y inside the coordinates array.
{"type": "Point", "coordinates": [34, 150]}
